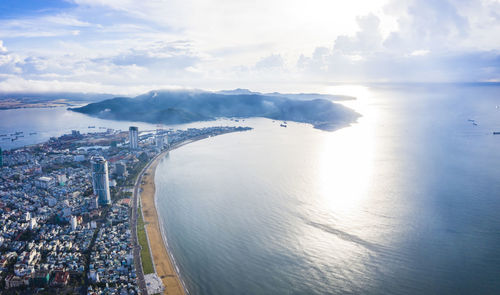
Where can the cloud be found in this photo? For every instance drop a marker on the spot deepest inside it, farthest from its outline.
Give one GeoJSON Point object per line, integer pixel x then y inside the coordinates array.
{"type": "Point", "coordinates": [436, 25]}
{"type": "Point", "coordinates": [3, 49]}
{"type": "Point", "coordinates": [366, 41]}
{"type": "Point", "coordinates": [427, 47]}
{"type": "Point", "coordinates": [171, 55]}
{"type": "Point", "coordinates": [41, 26]}
{"type": "Point", "coordinates": [125, 44]}
{"type": "Point", "coordinates": [272, 61]}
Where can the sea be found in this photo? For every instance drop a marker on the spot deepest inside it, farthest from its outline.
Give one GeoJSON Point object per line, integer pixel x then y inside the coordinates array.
{"type": "Point", "coordinates": [404, 201]}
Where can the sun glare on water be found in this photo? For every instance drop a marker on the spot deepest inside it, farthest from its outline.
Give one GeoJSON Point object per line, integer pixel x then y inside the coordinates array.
{"type": "Point", "coordinates": [346, 160]}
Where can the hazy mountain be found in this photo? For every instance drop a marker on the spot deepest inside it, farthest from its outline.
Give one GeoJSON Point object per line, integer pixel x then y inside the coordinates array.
{"type": "Point", "coordinates": [301, 96]}
{"type": "Point", "coordinates": [183, 106]}
{"type": "Point", "coordinates": [13, 100]}
{"type": "Point", "coordinates": [70, 96]}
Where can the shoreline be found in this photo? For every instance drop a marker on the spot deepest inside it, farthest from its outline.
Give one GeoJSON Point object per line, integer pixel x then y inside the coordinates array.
{"type": "Point", "coordinates": [161, 256]}
{"type": "Point", "coordinates": [163, 260]}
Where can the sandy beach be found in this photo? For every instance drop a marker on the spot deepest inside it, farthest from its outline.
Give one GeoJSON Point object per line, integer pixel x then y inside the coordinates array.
{"type": "Point", "coordinates": [161, 259]}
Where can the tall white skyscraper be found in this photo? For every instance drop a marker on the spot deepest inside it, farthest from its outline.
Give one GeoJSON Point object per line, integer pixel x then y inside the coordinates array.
{"type": "Point", "coordinates": [133, 136]}
{"type": "Point", "coordinates": [159, 141]}
{"type": "Point", "coordinates": [100, 180]}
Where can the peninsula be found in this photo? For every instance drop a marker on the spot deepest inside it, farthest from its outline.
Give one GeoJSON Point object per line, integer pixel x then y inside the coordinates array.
{"type": "Point", "coordinates": [185, 106]}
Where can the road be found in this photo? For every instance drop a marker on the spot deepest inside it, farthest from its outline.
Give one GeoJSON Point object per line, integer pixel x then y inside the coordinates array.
{"type": "Point", "coordinates": [133, 224]}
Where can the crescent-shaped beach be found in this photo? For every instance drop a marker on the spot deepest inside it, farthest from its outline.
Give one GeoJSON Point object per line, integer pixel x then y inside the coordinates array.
{"type": "Point", "coordinates": [161, 258]}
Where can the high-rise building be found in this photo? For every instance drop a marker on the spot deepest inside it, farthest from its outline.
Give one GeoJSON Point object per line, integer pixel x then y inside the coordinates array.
{"type": "Point", "coordinates": [100, 179]}
{"type": "Point", "coordinates": [121, 169]}
{"type": "Point", "coordinates": [133, 136]}
{"type": "Point", "coordinates": [159, 141]}
{"type": "Point", "coordinates": [73, 222]}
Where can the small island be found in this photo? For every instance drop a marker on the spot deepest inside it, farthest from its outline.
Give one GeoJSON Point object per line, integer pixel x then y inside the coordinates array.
{"type": "Point", "coordinates": [186, 106]}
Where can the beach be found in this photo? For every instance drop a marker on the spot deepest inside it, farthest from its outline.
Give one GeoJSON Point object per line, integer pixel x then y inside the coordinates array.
{"type": "Point", "coordinates": [161, 259]}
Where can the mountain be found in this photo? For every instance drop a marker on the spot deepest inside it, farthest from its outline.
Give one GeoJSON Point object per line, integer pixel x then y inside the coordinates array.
{"type": "Point", "coordinates": [184, 106]}
{"type": "Point", "coordinates": [14, 100]}
{"type": "Point", "coordinates": [301, 96]}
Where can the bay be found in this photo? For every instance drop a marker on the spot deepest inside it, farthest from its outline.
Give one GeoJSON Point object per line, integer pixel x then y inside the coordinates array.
{"type": "Point", "coordinates": [405, 201]}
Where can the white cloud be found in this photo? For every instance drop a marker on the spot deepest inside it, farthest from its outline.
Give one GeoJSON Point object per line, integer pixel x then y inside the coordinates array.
{"type": "Point", "coordinates": [420, 52]}
{"type": "Point", "coordinates": [272, 61]}
{"type": "Point", "coordinates": [125, 44]}
{"type": "Point", "coordinates": [3, 49]}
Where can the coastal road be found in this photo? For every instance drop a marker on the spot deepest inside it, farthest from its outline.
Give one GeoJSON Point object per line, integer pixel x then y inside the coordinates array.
{"type": "Point", "coordinates": [133, 224]}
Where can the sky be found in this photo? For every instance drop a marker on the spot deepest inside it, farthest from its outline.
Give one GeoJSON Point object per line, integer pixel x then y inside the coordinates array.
{"type": "Point", "coordinates": [130, 47]}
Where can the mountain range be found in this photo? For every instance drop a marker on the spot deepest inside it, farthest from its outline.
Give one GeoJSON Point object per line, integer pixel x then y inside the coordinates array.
{"type": "Point", "coordinates": [185, 106]}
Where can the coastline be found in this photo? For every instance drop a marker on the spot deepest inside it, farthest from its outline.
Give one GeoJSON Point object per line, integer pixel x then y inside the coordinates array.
{"type": "Point", "coordinates": [162, 259]}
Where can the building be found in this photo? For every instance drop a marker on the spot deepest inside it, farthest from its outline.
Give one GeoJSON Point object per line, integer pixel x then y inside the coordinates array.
{"type": "Point", "coordinates": [61, 179]}
{"type": "Point", "coordinates": [79, 158]}
{"type": "Point", "coordinates": [40, 279]}
{"type": "Point", "coordinates": [93, 202]}
{"type": "Point", "coordinates": [33, 223]}
{"type": "Point", "coordinates": [100, 180]}
{"type": "Point", "coordinates": [159, 141]}
{"type": "Point", "coordinates": [121, 169]}
{"type": "Point", "coordinates": [61, 279]}
{"type": "Point", "coordinates": [133, 136]}
{"type": "Point", "coordinates": [75, 133]}
{"type": "Point", "coordinates": [44, 182]}
{"type": "Point", "coordinates": [12, 281]}
{"type": "Point", "coordinates": [74, 223]}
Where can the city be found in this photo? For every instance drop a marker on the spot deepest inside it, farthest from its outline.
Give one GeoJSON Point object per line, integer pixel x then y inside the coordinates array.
{"type": "Point", "coordinates": [66, 210]}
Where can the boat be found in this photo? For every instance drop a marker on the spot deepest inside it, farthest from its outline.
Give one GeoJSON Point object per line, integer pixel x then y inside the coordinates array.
{"type": "Point", "coordinates": [32, 133]}
{"type": "Point", "coordinates": [282, 125]}
{"type": "Point", "coordinates": [7, 138]}
{"type": "Point", "coordinates": [471, 120]}
{"type": "Point", "coordinates": [2, 135]}
{"type": "Point", "coordinates": [91, 126]}
{"type": "Point", "coordinates": [475, 124]}
{"type": "Point", "coordinates": [496, 133]}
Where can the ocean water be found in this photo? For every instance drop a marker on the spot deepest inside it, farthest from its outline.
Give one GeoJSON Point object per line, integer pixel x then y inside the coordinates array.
{"type": "Point", "coordinates": [50, 122]}
{"type": "Point", "coordinates": [406, 201]}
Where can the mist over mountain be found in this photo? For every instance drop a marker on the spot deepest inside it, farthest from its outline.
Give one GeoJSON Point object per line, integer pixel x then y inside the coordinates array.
{"type": "Point", "coordinates": [301, 96]}
{"type": "Point", "coordinates": [184, 106]}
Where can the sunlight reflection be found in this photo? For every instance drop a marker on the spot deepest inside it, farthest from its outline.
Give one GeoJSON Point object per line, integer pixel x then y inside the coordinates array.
{"type": "Point", "coordinates": [346, 160]}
